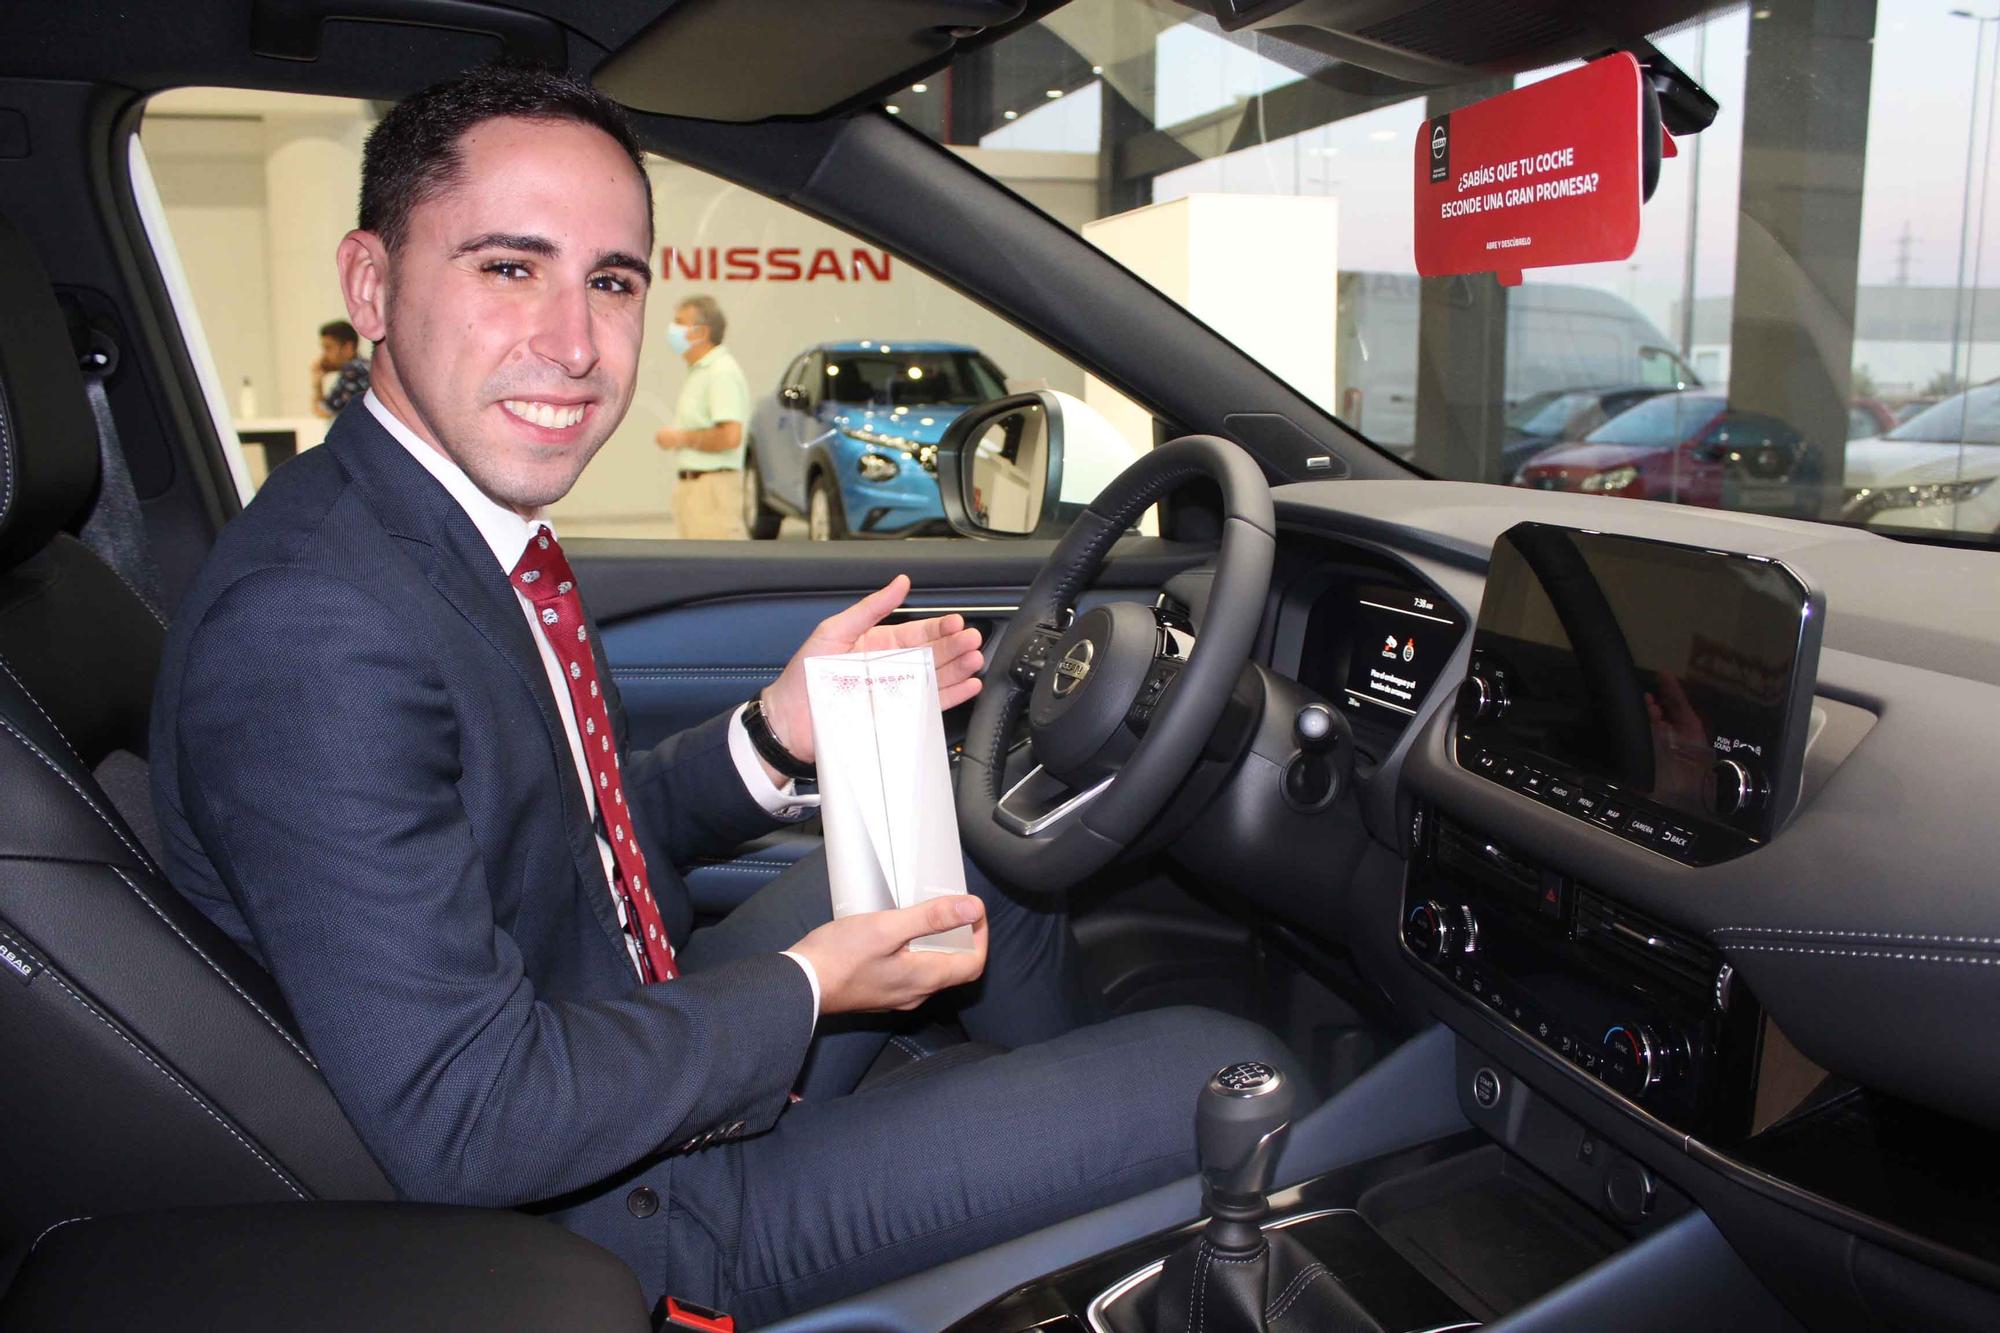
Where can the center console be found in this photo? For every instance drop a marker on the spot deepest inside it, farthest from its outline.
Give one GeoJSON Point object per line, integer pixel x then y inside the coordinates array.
{"type": "Point", "coordinates": [1660, 694]}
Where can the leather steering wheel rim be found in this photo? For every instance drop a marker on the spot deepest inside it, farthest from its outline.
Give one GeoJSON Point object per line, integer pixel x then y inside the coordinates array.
{"type": "Point", "coordinates": [1111, 817]}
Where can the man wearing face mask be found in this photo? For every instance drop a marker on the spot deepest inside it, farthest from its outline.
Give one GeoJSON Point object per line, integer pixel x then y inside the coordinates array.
{"type": "Point", "coordinates": [706, 439]}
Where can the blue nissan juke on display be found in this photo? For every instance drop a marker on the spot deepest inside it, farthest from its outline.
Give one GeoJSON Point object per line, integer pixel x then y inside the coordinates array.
{"type": "Point", "coordinates": [849, 440]}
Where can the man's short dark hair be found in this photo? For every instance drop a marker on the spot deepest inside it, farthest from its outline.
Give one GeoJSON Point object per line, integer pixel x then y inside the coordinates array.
{"type": "Point", "coordinates": [341, 332]}
{"type": "Point", "coordinates": [413, 155]}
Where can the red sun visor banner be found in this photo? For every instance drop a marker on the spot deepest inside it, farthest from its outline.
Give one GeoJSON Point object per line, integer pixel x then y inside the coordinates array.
{"type": "Point", "coordinates": [1547, 174]}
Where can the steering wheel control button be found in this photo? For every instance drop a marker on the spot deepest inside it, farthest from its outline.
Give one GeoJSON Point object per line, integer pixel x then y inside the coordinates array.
{"type": "Point", "coordinates": [1486, 1088]}
{"type": "Point", "coordinates": [1250, 1078]}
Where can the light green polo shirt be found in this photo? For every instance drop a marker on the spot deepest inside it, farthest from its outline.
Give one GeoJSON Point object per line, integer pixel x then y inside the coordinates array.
{"type": "Point", "coordinates": [715, 392]}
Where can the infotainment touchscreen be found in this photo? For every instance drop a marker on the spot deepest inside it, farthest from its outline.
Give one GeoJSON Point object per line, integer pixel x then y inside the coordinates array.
{"type": "Point", "coordinates": [1400, 641]}
{"type": "Point", "coordinates": [1670, 682]}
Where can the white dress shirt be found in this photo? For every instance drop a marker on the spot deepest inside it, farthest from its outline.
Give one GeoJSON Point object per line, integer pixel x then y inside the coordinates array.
{"type": "Point", "coordinates": [507, 534]}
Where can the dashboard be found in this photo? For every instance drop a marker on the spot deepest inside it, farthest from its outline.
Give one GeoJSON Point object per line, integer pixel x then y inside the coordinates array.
{"type": "Point", "coordinates": [1767, 963]}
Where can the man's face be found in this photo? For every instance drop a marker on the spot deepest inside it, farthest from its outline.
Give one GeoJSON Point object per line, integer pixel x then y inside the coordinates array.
{"type": "Point", "coordinates": [333, 355]}
{"type": "Point", "coordinates": [690, 319]}
{"type": "Point", "coordinates": [514, 307]}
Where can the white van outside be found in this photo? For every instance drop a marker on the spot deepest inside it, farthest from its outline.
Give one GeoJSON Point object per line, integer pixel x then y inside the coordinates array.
{"type": "Point", "coordinates": [1559, 336]}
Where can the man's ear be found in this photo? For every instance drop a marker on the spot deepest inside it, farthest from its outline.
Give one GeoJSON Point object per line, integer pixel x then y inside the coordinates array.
{"type": "Point", "coordinates": [363, 262]}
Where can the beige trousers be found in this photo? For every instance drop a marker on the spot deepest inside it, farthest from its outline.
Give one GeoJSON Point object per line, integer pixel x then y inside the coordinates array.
{"type": "Point", "coordinates": [710, 507]}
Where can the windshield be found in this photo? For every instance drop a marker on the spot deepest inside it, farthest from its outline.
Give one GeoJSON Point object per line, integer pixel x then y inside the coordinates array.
{"type": "Point", "coordinates": [911, 379]}
{"type": "Point", "coordinates": [1661, 422]}
{"type": "Point", "coordinates": [1818, 257]}
{"type": "Point", "coordinates": [1972, 417]}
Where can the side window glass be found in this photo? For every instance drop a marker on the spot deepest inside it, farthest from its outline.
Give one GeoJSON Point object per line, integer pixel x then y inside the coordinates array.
{"type": "Point", "coordinates": [820, 374]}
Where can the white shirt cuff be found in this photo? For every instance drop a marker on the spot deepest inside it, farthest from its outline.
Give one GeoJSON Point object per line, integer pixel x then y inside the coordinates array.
{"type": "Point", "coordinates": [786, 802]}
{"type": "Point", "coordinates": [812, 979]}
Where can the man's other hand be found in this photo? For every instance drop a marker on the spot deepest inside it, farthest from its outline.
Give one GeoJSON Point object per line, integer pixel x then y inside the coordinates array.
{"type": "Point", "coordinates": [864, 963]}
{"type": "Point", "coordinates": [859, 629]}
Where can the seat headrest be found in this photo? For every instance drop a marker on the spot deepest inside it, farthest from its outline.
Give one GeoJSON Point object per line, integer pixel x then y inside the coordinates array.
{"type": "Point", "coordinates": [48, 440]}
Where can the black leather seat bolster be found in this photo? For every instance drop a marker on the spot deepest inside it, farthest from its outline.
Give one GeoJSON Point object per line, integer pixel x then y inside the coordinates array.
{"type": "Point", "coordinates": [254, 1268]}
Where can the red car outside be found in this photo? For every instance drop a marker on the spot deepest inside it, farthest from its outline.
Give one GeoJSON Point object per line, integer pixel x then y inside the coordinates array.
{"type": "Point", "coordinates": [1651, 452]}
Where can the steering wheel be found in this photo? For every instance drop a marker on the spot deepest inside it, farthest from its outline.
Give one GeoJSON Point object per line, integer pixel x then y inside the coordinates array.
{"type": "Point", "coordinates": [1120, 700]}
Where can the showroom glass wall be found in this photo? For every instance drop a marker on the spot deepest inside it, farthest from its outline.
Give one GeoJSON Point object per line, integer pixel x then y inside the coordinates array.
{"type": "Point", "coordinates": [1808, 300]}
{"type": "Point", "coordinates": [257, 189]}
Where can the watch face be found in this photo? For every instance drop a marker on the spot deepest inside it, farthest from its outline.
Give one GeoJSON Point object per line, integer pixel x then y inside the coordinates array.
{"type": "Point", "coordinates": [1248, 1079]}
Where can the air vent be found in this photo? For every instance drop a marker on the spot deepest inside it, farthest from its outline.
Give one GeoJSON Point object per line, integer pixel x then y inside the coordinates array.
{"type": "Point", "coordinates": [1472, 32]}
{"type": "Point", "coordinates": [1468, 853]}
{"type": "Point", "coordinates": [1631, 939]}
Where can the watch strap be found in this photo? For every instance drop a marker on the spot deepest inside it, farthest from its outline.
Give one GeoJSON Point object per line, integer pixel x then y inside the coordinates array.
{"type": "Point", "coordinates": [769, 748]}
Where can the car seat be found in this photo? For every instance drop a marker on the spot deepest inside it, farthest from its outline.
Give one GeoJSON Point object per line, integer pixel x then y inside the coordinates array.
{"type": "Point", "coordinates": [148, 1060]}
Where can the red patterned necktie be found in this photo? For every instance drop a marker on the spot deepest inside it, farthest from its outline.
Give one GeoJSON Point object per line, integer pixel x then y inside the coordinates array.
{"type": "Point", "coordinates": [546, 580]}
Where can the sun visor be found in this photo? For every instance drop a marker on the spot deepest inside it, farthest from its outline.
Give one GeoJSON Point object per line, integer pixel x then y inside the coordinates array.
{"type": "Point", "coordinates": [1553, 173]}
{"type": "Point", "coordinates": [746, 60]}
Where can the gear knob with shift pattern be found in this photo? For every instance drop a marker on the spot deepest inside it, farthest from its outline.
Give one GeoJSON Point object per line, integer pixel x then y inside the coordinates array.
{"type": "Point", "coordinates": [1239, 1129]}
{"type": "Point", "coordinates": [1234, 1277]}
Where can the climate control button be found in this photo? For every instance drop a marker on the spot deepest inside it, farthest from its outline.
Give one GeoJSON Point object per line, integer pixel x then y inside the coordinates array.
{"type": "Point", "coordinates": [1634, 1061]}
{"type": "Point", "coordinates": [1431, 931]}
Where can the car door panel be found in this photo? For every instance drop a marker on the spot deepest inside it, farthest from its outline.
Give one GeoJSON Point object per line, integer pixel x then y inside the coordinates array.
{"type": "Point", "coordinates": [690, 630]}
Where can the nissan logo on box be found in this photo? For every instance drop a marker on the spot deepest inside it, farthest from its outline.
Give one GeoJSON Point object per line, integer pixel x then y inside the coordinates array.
{"type": "Point", "coordinates": [1440, 149]}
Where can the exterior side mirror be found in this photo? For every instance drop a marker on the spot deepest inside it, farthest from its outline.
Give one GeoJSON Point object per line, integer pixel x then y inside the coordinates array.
{"type": "Point", "coordinates": [1000, 467]}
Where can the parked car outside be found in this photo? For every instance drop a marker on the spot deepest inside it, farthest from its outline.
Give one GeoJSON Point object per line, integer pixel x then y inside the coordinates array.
{"type": "Point", "coordinates": [849, 439]}
{"type": "Point", "coordinates": [1935, 473]}
{"type": "Point", "coordinates": [1687, 448]}
{"type": "Point", "coordinates": [1559, 336]}
{"type": "Point", "coordinates": [1562, 416]}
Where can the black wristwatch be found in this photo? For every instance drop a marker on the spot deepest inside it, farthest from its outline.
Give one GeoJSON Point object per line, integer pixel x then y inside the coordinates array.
{"type": "Point", "coordinates": [772, 750]}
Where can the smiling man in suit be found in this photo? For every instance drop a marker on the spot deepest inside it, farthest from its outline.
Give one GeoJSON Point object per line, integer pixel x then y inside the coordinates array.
{"type": "Point", "coordinates": [389, 760]}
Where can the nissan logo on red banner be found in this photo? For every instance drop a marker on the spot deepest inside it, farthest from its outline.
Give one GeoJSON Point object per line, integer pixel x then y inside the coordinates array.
{"type": "Point", "coordinates": [1547, 174]}
{"type": "Point", "coordinates": [774, 263]}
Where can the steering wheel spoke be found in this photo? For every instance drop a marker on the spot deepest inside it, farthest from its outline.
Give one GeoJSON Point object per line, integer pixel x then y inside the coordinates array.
{"type": "Point", "coordinates": [1040, 801]}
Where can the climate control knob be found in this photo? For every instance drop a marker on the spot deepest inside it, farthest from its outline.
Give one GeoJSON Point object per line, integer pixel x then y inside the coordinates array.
{"type": "Point", "coordinates": [1479, 697]}
{"type": "Point", "coordinates": [1732, 788]}
{"type": "Point", "coordinates": [1431, 931]}
{"type": "Point", "coordinates": [1634, 1061]}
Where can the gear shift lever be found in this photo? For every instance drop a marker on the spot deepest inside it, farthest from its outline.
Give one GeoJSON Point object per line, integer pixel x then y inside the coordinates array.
{"type": "Point", "coordinates": [1234, 1277]}
{"type": "Point", "coordinates": [1239, 1128]}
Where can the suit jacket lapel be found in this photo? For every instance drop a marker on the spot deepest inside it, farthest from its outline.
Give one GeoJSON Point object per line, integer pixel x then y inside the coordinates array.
{"type": "Point", "coordinates": [460, 565]}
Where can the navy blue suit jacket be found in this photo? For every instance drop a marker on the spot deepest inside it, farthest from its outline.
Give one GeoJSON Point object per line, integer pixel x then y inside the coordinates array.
{"type": "Point", "coordinates": [361, 775]}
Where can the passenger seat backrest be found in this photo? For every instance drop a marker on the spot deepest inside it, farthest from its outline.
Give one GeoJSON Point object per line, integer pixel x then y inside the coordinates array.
{"type": "Point", "coordinates": [148, 1061]}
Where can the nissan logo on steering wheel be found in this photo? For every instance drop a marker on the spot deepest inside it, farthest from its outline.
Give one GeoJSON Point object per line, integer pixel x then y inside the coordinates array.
{"type": "Point", "coordinates": [1074, 667]}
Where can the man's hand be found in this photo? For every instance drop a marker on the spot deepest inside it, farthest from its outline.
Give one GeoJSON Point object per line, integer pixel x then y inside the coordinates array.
{"type": "Point", "coordinates": [858, 629]}
{"type": "Point", "coordinates": [668, 437]}
{"type": "Point", "coordinates": [864, 965]}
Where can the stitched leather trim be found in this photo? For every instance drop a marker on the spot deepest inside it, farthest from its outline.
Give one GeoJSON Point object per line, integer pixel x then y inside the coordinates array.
{"type": "Point", "coordinates": [1854, 935]}
{"type": "Point", "coordinates": [82, 795]}
{"type": "Point", "coordinates": [167, 1074]}
{"type": "Point", "coordinates": [1307, 1276]}
{"type": "Point", "coordinates": [29, 695]}
{"type": "Point", "coordinates": [1879, 955]}
{"type": "Point", "coordinates": [227, 980]}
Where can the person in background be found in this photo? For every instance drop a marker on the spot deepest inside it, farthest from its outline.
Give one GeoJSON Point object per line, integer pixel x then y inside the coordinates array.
{"type": "Point", "coordinates": [706, 438]}
{"type": "Point", "coordinates": [339, 354]}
